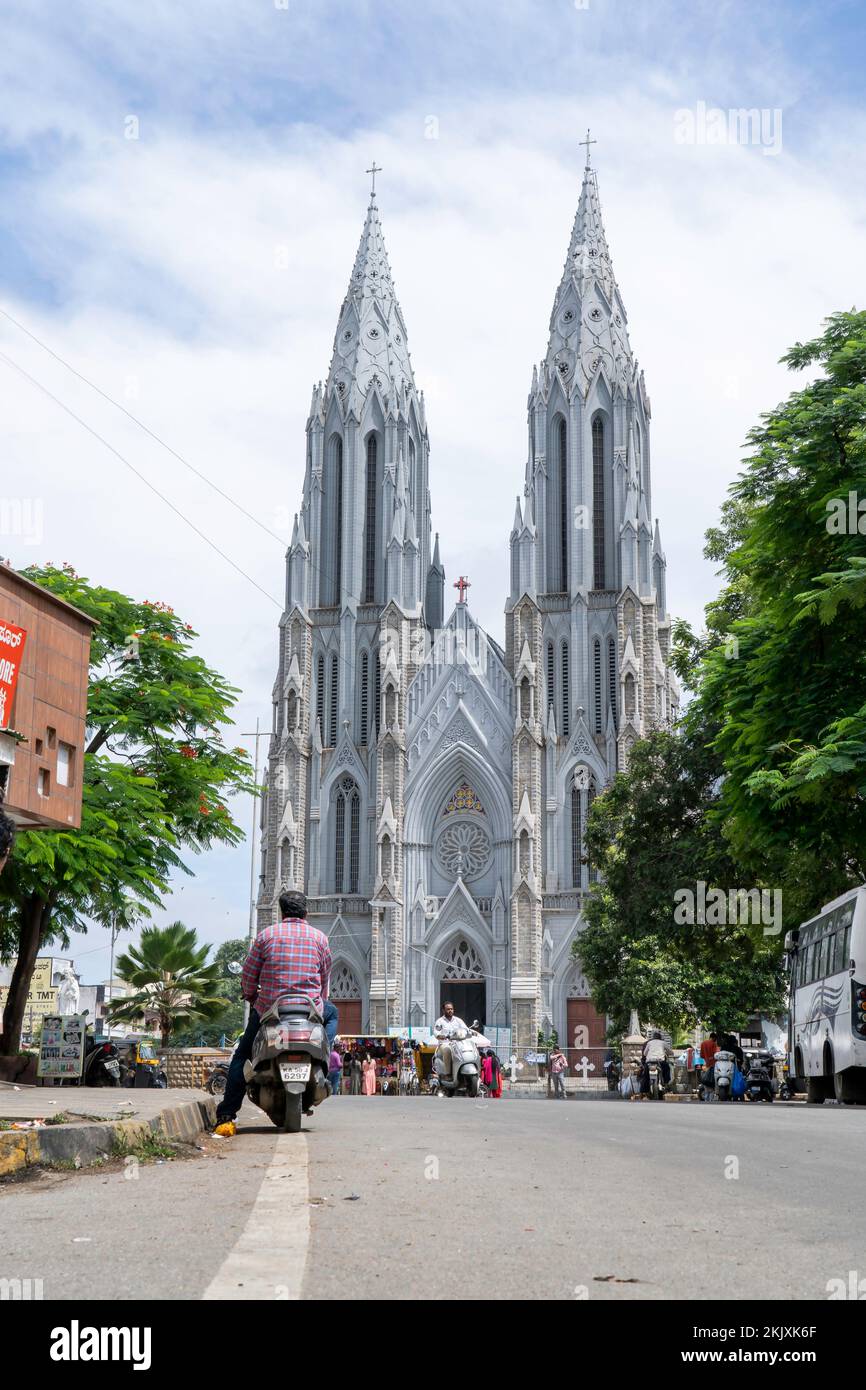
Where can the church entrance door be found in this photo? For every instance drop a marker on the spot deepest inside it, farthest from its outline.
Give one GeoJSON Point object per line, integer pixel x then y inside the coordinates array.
{"type": "Point", "coordinates": [469, 998]}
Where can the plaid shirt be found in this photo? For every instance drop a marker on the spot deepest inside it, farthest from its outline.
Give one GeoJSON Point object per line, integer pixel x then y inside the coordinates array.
{"type": "Point", "coordinates": [291, 957]}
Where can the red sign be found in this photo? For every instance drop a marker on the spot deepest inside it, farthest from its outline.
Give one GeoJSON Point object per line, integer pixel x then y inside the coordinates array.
{"type": "Point", "coordinates": [12, 640]}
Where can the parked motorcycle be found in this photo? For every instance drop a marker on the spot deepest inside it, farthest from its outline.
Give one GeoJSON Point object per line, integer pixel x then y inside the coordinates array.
{"type": "Point", "coordinates": [465, 1064]}
{"type": "Point", "coordinates": [101, 1063]}
{"type": "Point", "coordinates": [287, 1074]}
{"type": "Point", "coordinates": [759, 1078]}
{"type": "Point", "coordinates": [613, 1071]}
{"type": "Point", "coordinates": [216, 1082]}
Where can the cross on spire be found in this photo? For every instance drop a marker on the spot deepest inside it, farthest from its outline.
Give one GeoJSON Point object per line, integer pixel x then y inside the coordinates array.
{"type": "Point", "coordinates": [462, 584]}
{"type": "Point", "coordinates": [377, 169]}
{"type": "Point", "coordinates": [587, 142]}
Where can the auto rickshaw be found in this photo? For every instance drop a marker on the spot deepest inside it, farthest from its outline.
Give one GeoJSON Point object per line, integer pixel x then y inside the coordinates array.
{"type": "Point", "coordinates": [140, 1066]}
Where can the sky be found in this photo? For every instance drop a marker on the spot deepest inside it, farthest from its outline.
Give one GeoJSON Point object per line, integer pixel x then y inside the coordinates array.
{"type": "Point", "coordinates": [182, 190]}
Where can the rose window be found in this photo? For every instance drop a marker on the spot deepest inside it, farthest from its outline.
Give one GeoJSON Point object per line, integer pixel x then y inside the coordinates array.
{"type": "Point", "coordinates": [463, 849]}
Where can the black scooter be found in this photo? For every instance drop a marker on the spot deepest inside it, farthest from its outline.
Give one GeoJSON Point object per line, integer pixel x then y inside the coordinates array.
{"type": "Point", "coordinates": [759, 1078]}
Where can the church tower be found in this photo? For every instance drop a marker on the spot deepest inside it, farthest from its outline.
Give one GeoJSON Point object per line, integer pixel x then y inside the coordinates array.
{"type": "Point", "coordinates": [360, 584]}
{"type": "Point", "coordinates": [587, 628]}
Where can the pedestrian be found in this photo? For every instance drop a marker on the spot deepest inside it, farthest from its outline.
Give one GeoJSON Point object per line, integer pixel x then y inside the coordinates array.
{"type": "Point", "coordinates": [369, 1069]}
{"type": "Point", "coordinates": [355, 1075]}
{"type": "Point", "coordinates": [335, 1070]}
{"type": "Point", "coordinates": [491, 1073]}
{"type": "Point", "coordinates": [558, 1068]}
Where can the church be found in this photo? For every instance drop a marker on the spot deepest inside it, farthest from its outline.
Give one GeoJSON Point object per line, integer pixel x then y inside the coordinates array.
{"type": "Point", "coordinates": [427, 787]}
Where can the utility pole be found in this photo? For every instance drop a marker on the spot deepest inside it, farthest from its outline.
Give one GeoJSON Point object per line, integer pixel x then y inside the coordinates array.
{"type": "Point", "coordinates": [251, 930]}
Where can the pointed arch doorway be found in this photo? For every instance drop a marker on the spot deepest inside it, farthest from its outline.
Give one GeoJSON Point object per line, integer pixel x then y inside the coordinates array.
{"type": "Point", "coordinates": [463, 982]}
{"type": "Point", "coordinates": [345, 994]}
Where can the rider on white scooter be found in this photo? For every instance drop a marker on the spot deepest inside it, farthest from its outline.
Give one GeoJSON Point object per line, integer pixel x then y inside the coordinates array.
{"type": "Point", "coordinates": [445, 1027]}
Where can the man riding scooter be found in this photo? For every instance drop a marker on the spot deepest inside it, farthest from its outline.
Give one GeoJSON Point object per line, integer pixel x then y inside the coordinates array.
{"type": "Point", "coordinates": [655, 1050]}
{"type": "Point", "coordinates": [290, 957]}
{"type": "Point", "coordinates": [445, 1028]}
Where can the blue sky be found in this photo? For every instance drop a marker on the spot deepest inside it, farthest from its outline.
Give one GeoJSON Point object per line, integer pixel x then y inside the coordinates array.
{"type": "Point", "coordinates": [195, 273]}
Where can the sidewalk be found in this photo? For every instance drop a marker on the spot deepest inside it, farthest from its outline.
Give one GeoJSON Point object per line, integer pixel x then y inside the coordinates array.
{"type": "Point", "coordinates": [98, 1121]}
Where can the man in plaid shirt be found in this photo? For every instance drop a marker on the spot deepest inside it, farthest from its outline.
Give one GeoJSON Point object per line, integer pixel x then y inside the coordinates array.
{"type": "Point", "coordinates": [293, 958]}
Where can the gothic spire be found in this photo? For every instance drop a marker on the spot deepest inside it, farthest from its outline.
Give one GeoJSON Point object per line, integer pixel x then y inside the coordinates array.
{"type": "Point", "coordinates": [370, 348]}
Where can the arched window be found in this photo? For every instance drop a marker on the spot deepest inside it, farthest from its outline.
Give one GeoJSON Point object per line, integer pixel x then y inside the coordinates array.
{"type": "Point", "coordinates": [564, 533]}
{"type": "Point", "coordinates": [611, 678]}
{"type": "Point", "coordinates": [320, 695]}
{"type": "Point", "coordinates": [596, 676]}
{"type": "Point", "coordinates": [377, 712]}
{"type": "Point", "coordinates": [331, 579]}
{"type": "Point", "coordinates": [335, 699]}
{"type": "Point", "coordinates": [598, 516]}
{"type": "Point", "coordinates": [576, 836]}
{"type": "Point", "coordinates": [372, 484]}
{"type": "Point", "coordinates": [365, 696]}
{"type": "Point", "coordinates": [347, 827]}
{"type": "Point", "coordinates": [566, 696]}
{"type": "Point", "coordinates": [590, 798]}
{"type": "Point", "coordinates": [551, 680]}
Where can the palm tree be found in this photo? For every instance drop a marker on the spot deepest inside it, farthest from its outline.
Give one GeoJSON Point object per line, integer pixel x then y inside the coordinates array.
{"type": "Point", "coordinates": [169, 972]}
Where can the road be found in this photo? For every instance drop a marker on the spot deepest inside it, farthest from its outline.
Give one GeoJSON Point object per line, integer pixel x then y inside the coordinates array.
{"type": "Point", "coordinates": [534, 1199]}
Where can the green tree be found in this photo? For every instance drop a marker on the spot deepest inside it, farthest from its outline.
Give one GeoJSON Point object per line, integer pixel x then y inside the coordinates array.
{"type": "Point", "coordinates": [651, 833]}
{"type": "Point", "coordinates": [781, 672]}
{"type": "Point", "coordinates": [156, 778]}
{"type": "Point", "coordinates": [171, 977]}
{"type": "Point", "coordinates": [231, 1021]}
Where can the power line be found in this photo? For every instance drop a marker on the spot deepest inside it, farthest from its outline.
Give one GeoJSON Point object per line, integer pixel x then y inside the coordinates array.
{"type": "Point", "coordinates": [152, 486]}
{"type": "Point", "coordinates": [135, 420]}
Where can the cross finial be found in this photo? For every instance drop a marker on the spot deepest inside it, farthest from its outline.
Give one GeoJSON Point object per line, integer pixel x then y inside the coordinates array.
{"type": "Point", "coordinates": [462, 584]}
{"type": "Point", "coordinates": [374, 170]}
{"type": "Point", "coordinates": [587, 142]}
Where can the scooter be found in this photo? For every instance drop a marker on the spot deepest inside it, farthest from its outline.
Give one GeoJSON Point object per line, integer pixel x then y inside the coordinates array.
{"type": "Point", "coordinates": [216, 1082]}
{"type": "Point", "coordinates": [287, 1074]}
{"type": "Point", "coordinates": [465, 1065]}
{"type": "Point", "coordinates": [101, 1063]}
{"type": "Point", "coordinates": [724, 1064]}
{"type": "Point", "coordinates": [759, 1078]}
{"type": "Point", "coordinates": [657, 1085]}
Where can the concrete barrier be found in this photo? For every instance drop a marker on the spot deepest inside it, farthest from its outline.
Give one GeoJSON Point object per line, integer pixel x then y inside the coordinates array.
{"type": "Point", "coordinates": [82, 1145]}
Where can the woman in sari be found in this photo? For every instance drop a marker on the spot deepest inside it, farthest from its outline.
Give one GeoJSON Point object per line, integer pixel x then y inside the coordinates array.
{"type": "Point", "coordinates": [369, 1069]}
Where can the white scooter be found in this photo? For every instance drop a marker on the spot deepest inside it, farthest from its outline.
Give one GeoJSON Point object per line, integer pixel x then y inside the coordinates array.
{"type": "Point", "coordinates": [465, 1074]}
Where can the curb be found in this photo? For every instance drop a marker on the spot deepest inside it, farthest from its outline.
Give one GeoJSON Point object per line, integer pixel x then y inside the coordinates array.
{"type": "Point", "coordinates": [82, 1145]}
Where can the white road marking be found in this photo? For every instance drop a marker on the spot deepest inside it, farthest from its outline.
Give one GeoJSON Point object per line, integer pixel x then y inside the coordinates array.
{"type": "Point", "coordinates": [270, 1255]}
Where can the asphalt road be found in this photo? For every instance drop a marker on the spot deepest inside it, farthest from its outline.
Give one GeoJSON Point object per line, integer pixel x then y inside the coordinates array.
{"type": "Point", "coordinates": [592, 1199]}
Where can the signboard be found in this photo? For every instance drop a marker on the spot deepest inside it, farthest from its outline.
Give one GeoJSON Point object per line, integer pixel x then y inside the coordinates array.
{"type": "Point", "coordinates": [12, 640]}
{"type": "Point", "coordinates": [61, 1051]}
{"type": "Point", "coordinates": [42, 998]}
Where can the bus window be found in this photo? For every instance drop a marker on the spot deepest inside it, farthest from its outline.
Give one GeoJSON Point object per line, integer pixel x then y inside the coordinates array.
{"type": "Point", "coordinates": [826, 944]}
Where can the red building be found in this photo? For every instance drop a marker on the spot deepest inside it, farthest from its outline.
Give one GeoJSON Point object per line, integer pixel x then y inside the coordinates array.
{"type": "Point", "coordinates": [44, 660]}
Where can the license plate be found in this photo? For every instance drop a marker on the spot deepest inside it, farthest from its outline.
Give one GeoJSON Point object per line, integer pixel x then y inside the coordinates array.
{"type": "Point", "coordinates": [113, 1068]}
{"type": "Point", "coordinates": [295, 1071]}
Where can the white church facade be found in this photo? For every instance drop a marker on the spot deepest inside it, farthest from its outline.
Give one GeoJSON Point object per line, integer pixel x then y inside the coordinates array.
{"type": "Point", "coordinates": [426, 787]}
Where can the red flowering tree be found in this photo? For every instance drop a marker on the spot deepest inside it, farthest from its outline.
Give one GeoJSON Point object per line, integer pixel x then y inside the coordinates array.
{"type": "Point", "coordinates": [156, 779]}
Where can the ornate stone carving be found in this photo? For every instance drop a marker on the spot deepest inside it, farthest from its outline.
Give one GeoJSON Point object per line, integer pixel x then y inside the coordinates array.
{"type": "Point", "coordinates": [463, 849]}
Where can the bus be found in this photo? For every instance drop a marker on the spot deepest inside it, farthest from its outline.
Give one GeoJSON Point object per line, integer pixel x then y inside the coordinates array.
{"type": "Point", "coordinates": [826, 960]}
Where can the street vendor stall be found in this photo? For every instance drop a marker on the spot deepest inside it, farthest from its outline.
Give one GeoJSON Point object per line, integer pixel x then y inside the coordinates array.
{"type": "Point", "coordinates": [384, 1052]}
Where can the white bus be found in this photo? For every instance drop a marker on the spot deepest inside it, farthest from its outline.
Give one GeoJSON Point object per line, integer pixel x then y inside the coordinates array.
{"type": "Point", "coordinates": [826, 960]}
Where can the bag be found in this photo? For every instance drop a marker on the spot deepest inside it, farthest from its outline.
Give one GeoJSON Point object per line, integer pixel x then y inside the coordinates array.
{"type": "Point", "coordinates": [738, 1083]}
